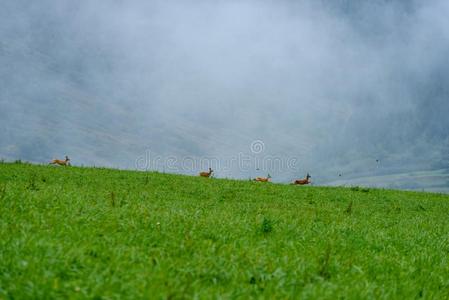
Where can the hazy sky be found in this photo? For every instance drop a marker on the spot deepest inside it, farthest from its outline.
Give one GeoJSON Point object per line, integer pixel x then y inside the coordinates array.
{"type": "Point", "coordinates": [332, 84]}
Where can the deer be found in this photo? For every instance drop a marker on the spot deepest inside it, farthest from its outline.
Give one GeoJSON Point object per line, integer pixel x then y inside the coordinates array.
{"type": "Point", "coordinates": [64, 163]}
{"type": "Point", "coordinates": [263, 179]}
{"type": "Point", "coordinates": [304, 181]}
{"type": "Point", "coordinates": [206, 174]}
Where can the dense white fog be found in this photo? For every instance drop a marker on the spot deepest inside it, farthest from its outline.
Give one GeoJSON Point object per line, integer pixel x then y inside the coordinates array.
{"type": "Point", "coordinates": [327, 87]}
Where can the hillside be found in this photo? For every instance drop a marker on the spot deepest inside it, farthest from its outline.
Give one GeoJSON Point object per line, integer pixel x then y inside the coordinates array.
{"type": "Point", "coordinates": [108, 234]}
{"type": "Point", "coordinates": [106, 96]}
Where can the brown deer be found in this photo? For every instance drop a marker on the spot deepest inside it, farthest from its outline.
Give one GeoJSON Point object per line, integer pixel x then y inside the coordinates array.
{"type": "Point", "coordinates": [263, 179]}
{"type": "Point", "coordinates": [303, 181]}
{"type": "Point", "coordinates": [64, 163]}
{"type": "Point", "coordinates": [206, 174]}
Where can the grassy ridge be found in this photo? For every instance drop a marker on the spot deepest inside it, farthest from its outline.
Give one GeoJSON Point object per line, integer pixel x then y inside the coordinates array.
{"type": "Point", "coordinates": [109, 234]}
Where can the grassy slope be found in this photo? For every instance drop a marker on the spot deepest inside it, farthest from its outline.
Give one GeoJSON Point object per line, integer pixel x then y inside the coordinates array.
{"type": "Point", "coordinates": [79, 232]}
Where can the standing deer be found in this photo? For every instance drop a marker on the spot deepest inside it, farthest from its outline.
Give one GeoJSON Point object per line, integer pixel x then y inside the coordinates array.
{"type": "Point", "coordinates": [303, 181]}
{"type": "Point", "coordinates": [263, 179]}
{"type": "Point", "coordinates": [206, 174]}
{"type": "Point", "coordinates": [64, 163]}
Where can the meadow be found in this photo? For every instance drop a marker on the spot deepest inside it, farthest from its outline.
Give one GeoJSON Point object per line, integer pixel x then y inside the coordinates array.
{"type": "Point", "coordinates": [77, 233]}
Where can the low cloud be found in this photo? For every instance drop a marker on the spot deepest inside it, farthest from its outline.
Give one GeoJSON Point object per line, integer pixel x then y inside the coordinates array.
{"type": "Point", "coordinates": [336, 85]}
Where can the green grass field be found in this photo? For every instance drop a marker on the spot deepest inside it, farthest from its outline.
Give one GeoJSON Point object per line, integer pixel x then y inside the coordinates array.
{"type": "Point", "coordinates": [109, 234]}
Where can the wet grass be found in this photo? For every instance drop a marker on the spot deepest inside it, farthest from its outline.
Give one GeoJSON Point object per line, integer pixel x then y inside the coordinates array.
{"type": "Point", "coordinates": [109, 234]}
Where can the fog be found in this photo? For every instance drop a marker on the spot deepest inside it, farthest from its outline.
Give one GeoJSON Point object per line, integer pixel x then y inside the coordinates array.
{"type": "Point", "coordinates": [339, 89]}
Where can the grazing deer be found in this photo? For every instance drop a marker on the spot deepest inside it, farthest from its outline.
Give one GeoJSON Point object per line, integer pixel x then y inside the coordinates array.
{"type": "Point", "coordinates": [206, 174]}
{"type": "Point", "coordinates": [64, 163]}
{"type": "Point", "coordinates": [263, 179]}
{"type": "Point", "coordinates": [303, 181]}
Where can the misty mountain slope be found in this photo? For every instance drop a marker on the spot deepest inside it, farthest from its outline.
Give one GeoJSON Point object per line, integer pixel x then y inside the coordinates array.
{"type": "Point", "coordinates": [333, 85]}
{"type": "Point", "coordinates": [434, 181]}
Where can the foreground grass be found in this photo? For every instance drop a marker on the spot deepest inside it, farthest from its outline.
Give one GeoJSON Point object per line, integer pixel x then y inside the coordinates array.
{"type": "Point", "coordinates": [109, 234]}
